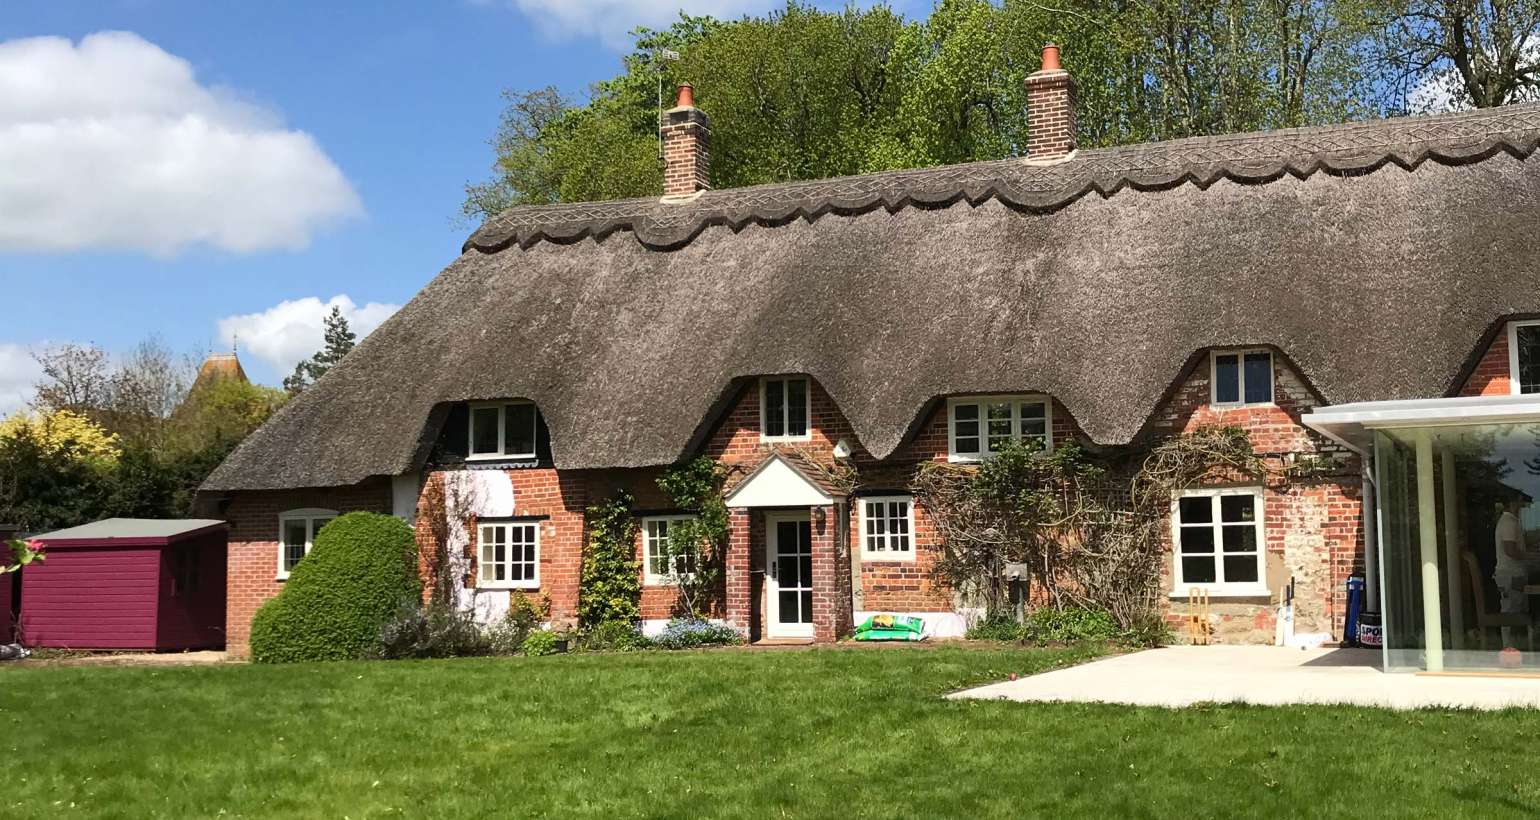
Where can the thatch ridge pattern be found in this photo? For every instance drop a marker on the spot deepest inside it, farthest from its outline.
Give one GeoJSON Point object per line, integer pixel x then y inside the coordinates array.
{"type": "Point", "coordinates": [1255, 158]}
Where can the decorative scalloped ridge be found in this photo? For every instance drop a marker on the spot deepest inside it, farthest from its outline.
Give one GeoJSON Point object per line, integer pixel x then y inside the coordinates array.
{"type": "Point", "coordinates": [1249, 158]}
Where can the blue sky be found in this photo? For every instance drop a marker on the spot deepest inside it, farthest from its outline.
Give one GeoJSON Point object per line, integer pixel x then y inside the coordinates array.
{"type": "Point", "coordinates": [301, 151]}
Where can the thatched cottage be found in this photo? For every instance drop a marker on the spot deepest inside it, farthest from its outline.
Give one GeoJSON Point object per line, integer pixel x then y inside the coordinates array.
{"type": "Point", "coordinates": [1106, 296]}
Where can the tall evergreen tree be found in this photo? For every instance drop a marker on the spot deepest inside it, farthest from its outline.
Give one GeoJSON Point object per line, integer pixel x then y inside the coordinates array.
{"type": "Point", "coordinates": [339, 340]}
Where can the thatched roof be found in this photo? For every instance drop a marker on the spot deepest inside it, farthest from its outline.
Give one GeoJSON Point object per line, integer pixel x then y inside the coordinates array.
{"type": "Point", "coordinates": [1373, 255]}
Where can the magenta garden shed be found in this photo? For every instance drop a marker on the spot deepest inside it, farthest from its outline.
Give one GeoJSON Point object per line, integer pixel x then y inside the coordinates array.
{"type": "Point", "coordinates": [128, 583]}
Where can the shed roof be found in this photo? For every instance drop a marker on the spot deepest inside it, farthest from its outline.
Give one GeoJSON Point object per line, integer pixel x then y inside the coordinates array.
{"type": "Point", "coordinates": [132, 529]}
{"type": "Point", "coordinates": [1374, 255]}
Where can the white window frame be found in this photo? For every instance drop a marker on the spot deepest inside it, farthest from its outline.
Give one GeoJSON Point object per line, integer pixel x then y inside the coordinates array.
{"type": "Point", "coordinates": [1016, 401]}
{"type": "Point", "coordinates": [1240, 354]}
{"type": "Point", "coordinates": [1513, 353]}
{"type": "Point", "coordinates": [525, 583]}
{"type": "Point", "coordinates": [502, 438]}
{"type": "Point", "coordinates": [649, 577]}
{"type": "Point", "coordinates": [1219, 588]}
{"type": "Point", "coordinates": [807, 396]}
{"type": "Point", "coordinates": [885, 555]}
{"type": "Point", "coordinates": [307, 514]}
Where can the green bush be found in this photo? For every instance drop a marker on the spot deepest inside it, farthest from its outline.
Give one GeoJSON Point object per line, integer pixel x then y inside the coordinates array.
{"type": "Point", "coordinates": [337, 600]}
{"type": "Point", "coordinates": [432, 631]}
{"type": "Point", "coordinates": [542, 642]}
{"type": "Point", "coordinates": [996, 626]}
{"type": "Point", "coordinates": [506, 637]}
{"type": "Point", "coordinates": [614, 636]}
{"type": "Point", "coordinates": [1150, 631]}
{"type": "Point", "coordinates": [1073, 625]}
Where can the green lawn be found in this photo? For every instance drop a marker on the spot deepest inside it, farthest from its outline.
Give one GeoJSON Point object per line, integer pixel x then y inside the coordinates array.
{"type": "Point", "coordinates": [830, 732]}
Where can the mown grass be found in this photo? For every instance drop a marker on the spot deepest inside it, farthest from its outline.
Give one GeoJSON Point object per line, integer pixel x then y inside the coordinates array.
{"type": "Point", "coordinates": [824, 733]}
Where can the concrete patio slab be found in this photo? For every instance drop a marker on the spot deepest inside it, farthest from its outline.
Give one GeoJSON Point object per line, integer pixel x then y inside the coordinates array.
{"type": "Point", "coordinates": [1181, 676]}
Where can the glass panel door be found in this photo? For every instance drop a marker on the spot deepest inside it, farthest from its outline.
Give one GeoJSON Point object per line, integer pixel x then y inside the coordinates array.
{"type": "Point", "coordinates": [792, 560]}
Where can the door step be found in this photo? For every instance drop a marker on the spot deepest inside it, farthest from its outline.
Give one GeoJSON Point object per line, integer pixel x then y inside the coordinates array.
{"type": "Point", "coordinates": [783, 642]}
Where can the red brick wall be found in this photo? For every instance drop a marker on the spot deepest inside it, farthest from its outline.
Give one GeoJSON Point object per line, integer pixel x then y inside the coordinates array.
{"type": "Point", "coordinates": [1492, 376]}
{"type": "Point", "coordinates": [1312, 528]}
{"type": "Point", "coordinates": [253, 556]}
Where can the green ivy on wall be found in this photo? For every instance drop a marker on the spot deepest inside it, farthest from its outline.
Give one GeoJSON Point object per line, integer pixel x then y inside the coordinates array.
{"type": "Point", "coordinates": [610, 588]}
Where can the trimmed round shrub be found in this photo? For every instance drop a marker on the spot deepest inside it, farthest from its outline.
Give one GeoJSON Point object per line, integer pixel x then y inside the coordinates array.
{"type": "Point", "coordinates": [362, 568]}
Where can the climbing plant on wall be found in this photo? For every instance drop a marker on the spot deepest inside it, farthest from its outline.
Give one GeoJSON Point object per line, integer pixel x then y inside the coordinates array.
{"type": "Point", "coordinates": [697, 546]}
{"type": "Point", "coordinates": [610, 588]}
{"type": "Point", "coordinates": [1090, 529]}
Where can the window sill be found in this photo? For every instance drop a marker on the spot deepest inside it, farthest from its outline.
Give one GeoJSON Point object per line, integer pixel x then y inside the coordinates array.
{"type": "Point", "coordinates": [886, 558]}
{"type": "Point", "coordinates": [526, 585]}
{"type": "Point", "coordinates": [764, 439]}
{"type": "Point", "coordinates": [1240, 405]}
{"type": "Point", "coordinates": [954, 458]}
{"type": "Point", "coordinates": [501, 457]}
{"type": "Point", "coordinates": [1223, 591]}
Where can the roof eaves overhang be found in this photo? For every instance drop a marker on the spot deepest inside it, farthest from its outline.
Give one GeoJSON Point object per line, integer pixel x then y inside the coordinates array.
{"type": "Point", "coordinates": [1352, 424]}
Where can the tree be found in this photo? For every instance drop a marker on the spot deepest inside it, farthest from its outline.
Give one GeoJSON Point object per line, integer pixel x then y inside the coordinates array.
{"type": "Point", "coordinates": [524, 143]}
{"type": "Point", "coordinates": [803, 93]}
{"type": "Point", "coordinates": [339, 341]}
{"type": "Point", "coordinates": [144, 390]}
{"type": "Point", "coordinates": [75, 377]}
{"type": "Point", "coordinates": [64, 431]}
{"type": "Point", "coordinates": [1457, 53]}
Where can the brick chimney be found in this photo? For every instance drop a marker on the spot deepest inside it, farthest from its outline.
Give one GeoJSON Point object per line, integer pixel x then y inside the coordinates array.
{"type": "Point", "coordinates": [1050, 109]}
{"type": "Point", "coordinates": [686, 134]}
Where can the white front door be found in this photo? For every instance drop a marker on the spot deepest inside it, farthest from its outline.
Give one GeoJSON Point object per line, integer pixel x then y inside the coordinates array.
{"type": "Point", "coordinates": [788, 575]}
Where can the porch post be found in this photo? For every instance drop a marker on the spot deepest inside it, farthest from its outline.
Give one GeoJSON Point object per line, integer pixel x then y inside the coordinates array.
{"type": "Point", "coordinates": [739, 609]}
{"type": "Point", "coordinates": [1452, 569]}
{"type": "Point", "coordinates": [1427, 541]}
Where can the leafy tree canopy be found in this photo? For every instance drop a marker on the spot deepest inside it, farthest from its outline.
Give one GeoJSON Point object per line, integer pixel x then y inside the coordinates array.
{"type": "Point", "coordinates": [804, 93]}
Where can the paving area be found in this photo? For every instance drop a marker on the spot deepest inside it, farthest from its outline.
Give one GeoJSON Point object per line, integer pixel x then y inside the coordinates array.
{"type": "Point", "coordinates": [131, 659]}
{"type": "Point", "coordinates": [1179, 676]}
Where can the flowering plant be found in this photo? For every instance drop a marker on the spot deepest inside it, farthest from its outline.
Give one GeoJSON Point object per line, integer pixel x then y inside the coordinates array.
{"type": "Point", "coordinates": [22, 554]}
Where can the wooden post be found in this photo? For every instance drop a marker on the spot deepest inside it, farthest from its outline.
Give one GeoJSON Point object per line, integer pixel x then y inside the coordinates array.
{"type": "Point", "coordinates": [1427, 542]}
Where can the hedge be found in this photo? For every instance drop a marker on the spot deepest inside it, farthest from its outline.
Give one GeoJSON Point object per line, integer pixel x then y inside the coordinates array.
{"type": "Point", "coordinates": [361, 569]}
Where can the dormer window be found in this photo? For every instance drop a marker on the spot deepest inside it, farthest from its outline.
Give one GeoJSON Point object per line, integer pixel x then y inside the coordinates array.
{"type": "Point", "coordinates": [785, 404]}
{"type": "Point", "coordinates": [503, 430]}
{"type": "Point", "coordinates": [1524, 356]}
{"type": "Point", "coordinates": [978, 427]}
{"type": "Point", "coordinates": [1241, 377]}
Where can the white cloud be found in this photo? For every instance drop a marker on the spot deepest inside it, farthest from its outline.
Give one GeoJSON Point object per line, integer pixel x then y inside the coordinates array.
{"type": "Point", "coordinates": [611, 20]}
{"type": "Point", "coordinates": [18, 373]}
{"type": "Point", "coordinates": [292, 330]}
{"type": "Point", "coordinates": [114, 144]}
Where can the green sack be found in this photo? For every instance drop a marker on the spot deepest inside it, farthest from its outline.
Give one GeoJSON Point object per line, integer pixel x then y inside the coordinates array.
{"type": "Point", "coordinates": [889, 635]}
{"type": "Point", "coordinates": [891, 628]}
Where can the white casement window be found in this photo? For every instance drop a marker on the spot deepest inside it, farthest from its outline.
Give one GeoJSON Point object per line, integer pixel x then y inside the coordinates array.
{"type": "Point", "coordinates": [980, 426]}
{"type": "Point", "coordinates": [503, 430]}
{"type": "Point", "coordinates": [785, 407]}
{"type": "Point", "coordinates": [1524, 356]}
{"type": "Point", "coordinates": [1240, 377]}
{"type": "Point", "coordinates": [658, 572]}
{"type": "Point", "coordinates": [296, 536]}
{"type": "Point", "coordinates": [1217, 537]}
{"type": "Point", "coordinates": [887, 528]}
{"type": "Point", "coordinates": [509, 555]}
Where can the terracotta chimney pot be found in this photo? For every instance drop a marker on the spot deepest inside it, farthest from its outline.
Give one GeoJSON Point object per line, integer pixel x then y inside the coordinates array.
{"type": "Point", "coordinates": [1051, 57]}
{"type": "Point", "coordinates": [686, 96]}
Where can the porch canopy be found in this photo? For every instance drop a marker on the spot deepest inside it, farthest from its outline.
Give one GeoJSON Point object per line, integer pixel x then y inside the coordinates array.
{"type": "Point", "coordinates": [1454, 530]}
